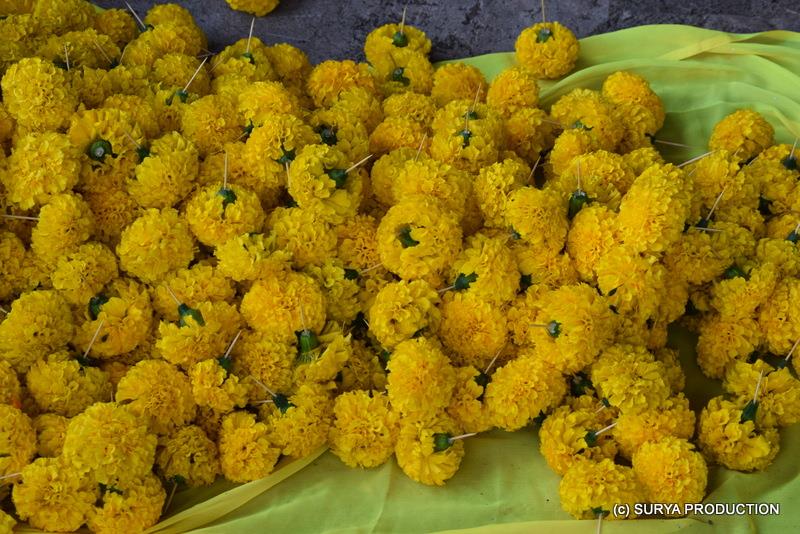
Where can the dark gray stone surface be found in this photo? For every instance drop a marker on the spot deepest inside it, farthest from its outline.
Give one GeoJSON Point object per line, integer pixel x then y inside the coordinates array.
{"type": "Point", "coordinates": [335, 29]}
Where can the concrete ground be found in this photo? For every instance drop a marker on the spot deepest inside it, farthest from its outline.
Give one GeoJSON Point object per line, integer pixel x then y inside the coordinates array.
{"type": "Point", "coordinates": [335, 29]}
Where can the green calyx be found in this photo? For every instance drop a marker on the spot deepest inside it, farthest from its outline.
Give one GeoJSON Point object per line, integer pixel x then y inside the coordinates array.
{"type": "Point", "coordinates": [465, 135]}
{"type": "Point", "coordinates": [577, 200]}
{"type": "Point", "coordinates": [471, 115]}
{"type": "Point", "coordinates": [142, 152]}
{"type": "Point", "coordinates": [578, 125]}
{"type": "Point", "coordinates": [351, 274]}
{"type": "Point", "coordinates": [749, 411]}
{"type": "Point", "coordinates": [282, 402]}
{"type": "Point", "coordinates": [404, 235]}
{"type": "Point", "coordinates": [287, 156]}
{"type": "Point", "coordinates": [99, 149]}
{"type": "Point", "coordinates": [580, 384]}
{"type": "Point", "coordinates": [228, 196]}
{"type": "Point", "coordinates": [182, 94]}
{"type": "Point", "coordinates": [598, 512]}
{"type": "Point", "coordinates": [442, 441]}
{"type": "Point", "coordinates": [790, 162]}
{"type": "Point", "coordinates": [96, 305]}
{"type": "Point", "coordinates": [339, 176]}
{"type": "Point", "coordinates": [463, 281]}
{"type": "Point", "coordinates": [85, 361]}
{"type": "Point", "coordinates": [327, 134]}
{"type": "Point", "coordinates": [186, 312]}
{"type": "Point", "coordinates": [225, 363]}
{"type": "Point", "coordinates": [525, 281]}
{"type": "Point", "coordinates": [249, 57]}
{"type": "Point", "coordinates": [398, 75]}
{"type": "Point", "coordinates": [248, 130]}
{"type": "Point", "coordinates": [554, 329]}
{"type": "Point", "coordinates": [307, 342]}
{"type": "Point", "coordinates": [516, 236]}
{"type": "Point", "coordinates": [590, 438]}
{"type": "Point", "coordinates": [177, 480]}
{"type": "Point", "coordinates": [109, 489]}
{"type": "Point", "coordinates": [543, 35]}
{"type": "Point", "coordinates": [734, 271]}
{"type": "Point", "coordinates": [399, 39]}
{"type": "Point", "coordinates": [764, 206]}
{"type": "Point", "coordinates": [792, 236]}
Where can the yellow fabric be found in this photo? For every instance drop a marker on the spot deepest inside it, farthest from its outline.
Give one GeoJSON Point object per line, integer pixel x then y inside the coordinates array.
{"type": "Point", "coordinates": [504, 485]}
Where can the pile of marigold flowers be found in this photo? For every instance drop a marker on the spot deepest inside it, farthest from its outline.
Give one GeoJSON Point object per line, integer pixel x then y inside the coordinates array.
{"type": "Point", "coordinates": [210, 262]}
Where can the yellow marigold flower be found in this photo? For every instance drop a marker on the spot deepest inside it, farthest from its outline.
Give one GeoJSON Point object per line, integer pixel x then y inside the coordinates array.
{"type": "Point", "coordinates": [653, 212]}
{"type": "Point", "coordinates": [358, 245]}
{"type": "Point", "coordinates": [494, 184]}
{"type": "Point", "coordinates": [588, 486]}
{"type": "Point", "coordinates": [190, 456]}
{"type": "Point", "coordinates": [733, 443]}
{"type": "Point", "coordinates": [673, 371]}
{"type": "Point", "coordinates": [341, 130]}
{"type": "Point", "coordinates": [41, 166]}
{"type": "Point", "coordinates": [51, 429]}
{"type": "Point", "coordinates": [63, 225]}
{"type": "Point", "coordinates": [630, 378]}
{"type": "Point", "coordinates": [426, 177]}
{"type": "Point", "coordinates": [403, 309]}
{"type": "Point", "coordinates": [215, 387]}
{"type": "Point", "coordinates": [530, 133]}
{"type": "Point", "coordinates": [54, 497]}
{"type": "Point", "coordinates": [474, 329]}
{"type": "Point", "coordinates": [568, 145]}
{"type": "Point", "coordinates": [514, 89]}
{"type": "Point", "coordinates": [175, 14]}
{"type": "Point", "coordinates": [210, 122]}
{"type": "Point", "coordinates": [385, 173]}
{"type": "Point", "coordinates": [419, 107]}
{"type": "Point", "coordinates": [418, 239]}
{"type": "Point", "coordinates": [563, 435]}
{"type": "Point", "coordinates": [385, 39]}
{"type": "Point", "coordinates": [740, 296]}
{"type": "Point", "coordinates": [63, 386]}
{"type": "Point", "coordinates": [133, 508]}
{"type": "Point", "coordinates": [204, 332]}
{"type": "Point", "coordinates": [10, 392]}
{"type": "Point", "coordinates": [154, 244]}
{"type": "Point", "coordinates": [113, 209]}
{"type": "Point", "coordinates": [578, 325]}
{"type": "Point", "coordinates": [398, 132]}
{"type": "Point", "coordinates": [641, 159]}
{"type": "Point", "coordinates": [718, 175]}
{"type": "Point", "coordinates": [671, 471]}
{"type": "Point", "coordinates": [118, 24]}
{"type": "Point", "coordinates": [246, 451]}
{"type": "Point", "coordinates": [168, 37]}
{"type": "Point", "coordinates": [548, 49]}
{"type": "Point", "coordinates": [167, 174]}
{"type": "Point", "coordinates": [111, 443]}
{"type": "Point", "coordinates": [403, 71]}
{"type": "Point", "coordinates": [779, 226]}
{"type": "Point", "coordinates": [291, 65]}
{"type": "Point", "coordinates": [624, 87]}
{"type": "Point", "coordinates": [522, 389]}
{"type": "Point", "coordinates": [489, 269]}
{"type": "Point", "coordinates": [467, 407]}
{"type": "Point", "coordinates": [778, 393]}
{"type": "Point", "coordinates": [587, 110]}
{"type": "Point", "coordinates": [243, 170]}
{"type": "Point", "coordinates": [340, 288]}
{"type": "Point", "coordinates": [421, 380]}
{"type": "Point", "coordinates": [425, 450]}
{"type": "Point", "coordinates": [779, 317]}
{"type": "Point", "coordinates": [363, 370]}
{"type": "Point", "coordinates": [323, 363]}
{"type": "Point", "coordinates": [38, 95]}
{"type": "Point", "coordinates": [12, 258]}
{"type": "Point", "coordinates": [123, 308]}
{"type": "Point", "coordinates": [198, 283]}
{"type": "Point", "coordinates": [699, 256]}
{"type": "Point", "coordinates": [218, 212]}
{"type": "Point", "coordinates": [17, 441]}
{"type": "Point", "coordinates": [543, 266]}
{"type": "Point", "coordinates": [266, 358]}
{"type": "Point", "coordinates": [159, 394]}
{"type": "Point", "coordinates": [672, 417]}
{"type": "Point", "coordinates": [777, 182]}
{"type": "Point", "coordinates": [79, 275]}
{"type": "Point", "coordinates": [260, 100]}
{"type": "Point", "coordinates": [303, 427]}
{"type": "Point", "coordinates": [283, 305]}
{"type": "Point", "coordinates": [7, 523]}
{"type": "Point", "coordinates": [781, 252]}
{"type": "Point", "coordinates": [330, 78]}
{"type": "Point", "coordinates": [591, 236]}
{"type": "Point", "coordinates": [744, 133]}
{"type": "Point", "coordinates": [259, 8]}
{"type": "Point", "coordinates": [538, 217]}
{"type": "Point", "coordinates": [172, 71]}
{"type": "Point", "coordinates": [602, 175]}
{"type": "Point", "coordinates": [304, 233]}
{"type": "Point", "coordinates": [361, 105]}
{"type": "Point", "coordinates": [39, 323]}
{"type": "Point", "coordinates": [364, 430]}
{"type": "Point", "coordinates": [102, 135]}
{"type": "Point", "coordinates": [318, 182]}
{"type": "Point", "coordinates": [85, 48]}
{"type": "Point", "coordinates": [467, 134]}
{"type": "Point", "coordinates": [458, 81]}
{"type": "Point", "coordinates": [723, 341]}
{"type": "Point", "coordinates": [250, 257]}
{"type": "Point", "coordinates": [633, 283]}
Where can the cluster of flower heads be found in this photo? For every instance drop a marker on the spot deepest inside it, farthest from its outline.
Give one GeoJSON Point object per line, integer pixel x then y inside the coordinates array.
{"type": "Point", "coordinates": [210, 263]}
